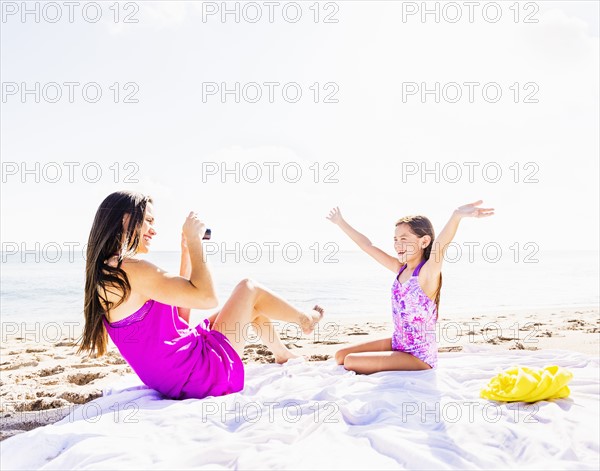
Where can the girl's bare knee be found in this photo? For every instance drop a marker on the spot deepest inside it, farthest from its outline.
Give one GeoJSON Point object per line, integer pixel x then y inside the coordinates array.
{"type": "Point", "coordinates": [340, 355]}
{"type": "Point", "coordinates": [349, 361]}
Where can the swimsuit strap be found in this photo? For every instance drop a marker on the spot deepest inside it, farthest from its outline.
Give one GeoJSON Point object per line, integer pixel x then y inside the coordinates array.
{"type": "Point", "coordinates": [418, 269]}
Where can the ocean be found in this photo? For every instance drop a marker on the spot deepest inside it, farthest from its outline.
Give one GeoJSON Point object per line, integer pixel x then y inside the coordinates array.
{"type": "Point", "coordinates": [348, 284]}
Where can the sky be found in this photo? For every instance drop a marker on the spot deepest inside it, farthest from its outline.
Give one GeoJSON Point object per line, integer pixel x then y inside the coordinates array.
{"type": "Point", "coordinates": [514, 121]}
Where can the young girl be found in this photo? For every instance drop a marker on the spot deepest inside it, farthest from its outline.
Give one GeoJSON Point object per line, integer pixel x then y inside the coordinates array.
{"type": "Point", "coordinates": [145, 310]}
{"type": "Point", "coordinates": [415, 292]}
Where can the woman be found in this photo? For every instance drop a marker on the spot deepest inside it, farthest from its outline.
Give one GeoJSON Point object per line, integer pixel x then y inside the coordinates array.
{"type": "Point", "coordinates": [145, 310]}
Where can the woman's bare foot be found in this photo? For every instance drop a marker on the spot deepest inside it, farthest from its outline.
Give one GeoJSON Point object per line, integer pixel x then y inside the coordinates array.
{"type": "Point", "coordinates": [308, 321]}
{"type": "Point", "coordinates": [284, 355]}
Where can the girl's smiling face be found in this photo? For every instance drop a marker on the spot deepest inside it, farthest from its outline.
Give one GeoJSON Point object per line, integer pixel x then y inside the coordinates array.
{"type": "Point", "coordinates": [408, 245]}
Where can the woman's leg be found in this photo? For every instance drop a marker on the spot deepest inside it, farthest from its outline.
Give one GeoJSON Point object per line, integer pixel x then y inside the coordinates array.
{"type": "Point", "coordinates": [211, 319]}
{"type": "Point", "coordinates": [269, 336]}
{"type": "Point", "coordinates": [383, 345]}
{"type": "Point", "coordinates": [248, 301]}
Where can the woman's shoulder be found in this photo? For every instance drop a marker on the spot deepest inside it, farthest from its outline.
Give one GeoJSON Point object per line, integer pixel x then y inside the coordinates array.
{"type": "Point", "coordinates": [137, 265]}
{"type": "Point", "coordinates": [142, 274]}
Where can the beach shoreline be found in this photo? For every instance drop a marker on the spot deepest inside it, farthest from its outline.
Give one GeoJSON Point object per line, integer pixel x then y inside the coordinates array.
{"type": "Point", "coordinates": [42, 381]}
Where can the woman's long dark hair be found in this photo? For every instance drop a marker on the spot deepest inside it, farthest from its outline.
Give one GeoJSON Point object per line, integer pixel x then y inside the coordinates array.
{"type": "Point", "coordinates": [109, 237]}
{"type": "Point", "coordinates": [421, 226]}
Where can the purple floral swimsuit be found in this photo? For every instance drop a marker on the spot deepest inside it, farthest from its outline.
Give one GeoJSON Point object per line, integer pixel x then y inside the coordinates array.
{"type": "Point", "coordinates": [415, 317]}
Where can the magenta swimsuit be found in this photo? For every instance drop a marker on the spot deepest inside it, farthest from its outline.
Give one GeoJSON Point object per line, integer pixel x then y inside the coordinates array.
{"type": "Point", "coordinates": [178, 361]}
{"type": "Point", "coordinates": [415, 316]}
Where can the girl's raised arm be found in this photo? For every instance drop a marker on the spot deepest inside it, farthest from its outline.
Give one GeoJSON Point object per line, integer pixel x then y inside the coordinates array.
{"type": "Point", "coordinates": [391, 263]}
{"type": "Point", "coordinates": [441, 243]}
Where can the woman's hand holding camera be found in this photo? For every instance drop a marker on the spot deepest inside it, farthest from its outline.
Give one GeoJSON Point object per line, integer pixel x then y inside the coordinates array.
{"type": "Point", "coordinates": [193, 227]}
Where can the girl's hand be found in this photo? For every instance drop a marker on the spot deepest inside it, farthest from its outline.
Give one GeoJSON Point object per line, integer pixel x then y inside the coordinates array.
{"type": "Point", "coordinates": [471, 210]}
{"type": "Point", "coordinates": [193, 227]}
{"type": "Point", "coordinates": [335, 215]}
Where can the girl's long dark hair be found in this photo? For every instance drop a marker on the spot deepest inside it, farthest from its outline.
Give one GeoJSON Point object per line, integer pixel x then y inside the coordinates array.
{"type": "Point", "coordinates": [109, 237]}
{"type": "Point", "coordinates": [422, 226]}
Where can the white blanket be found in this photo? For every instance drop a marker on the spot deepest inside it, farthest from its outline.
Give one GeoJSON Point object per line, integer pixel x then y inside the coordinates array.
{"type": "Point", "coordinates": [318, 416]}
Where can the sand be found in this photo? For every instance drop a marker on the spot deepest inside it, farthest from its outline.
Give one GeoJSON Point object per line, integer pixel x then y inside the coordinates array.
{"type": "Point", "coordinates": [42, 381]}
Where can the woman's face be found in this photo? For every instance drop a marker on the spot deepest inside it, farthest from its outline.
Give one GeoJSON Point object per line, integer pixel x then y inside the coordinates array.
{"type": "Point", "coordinates": [147, 231]}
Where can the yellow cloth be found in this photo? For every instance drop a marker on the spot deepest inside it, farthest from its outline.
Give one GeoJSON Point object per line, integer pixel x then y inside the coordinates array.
{"type": "Point", "coordinates": [520, 383]}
